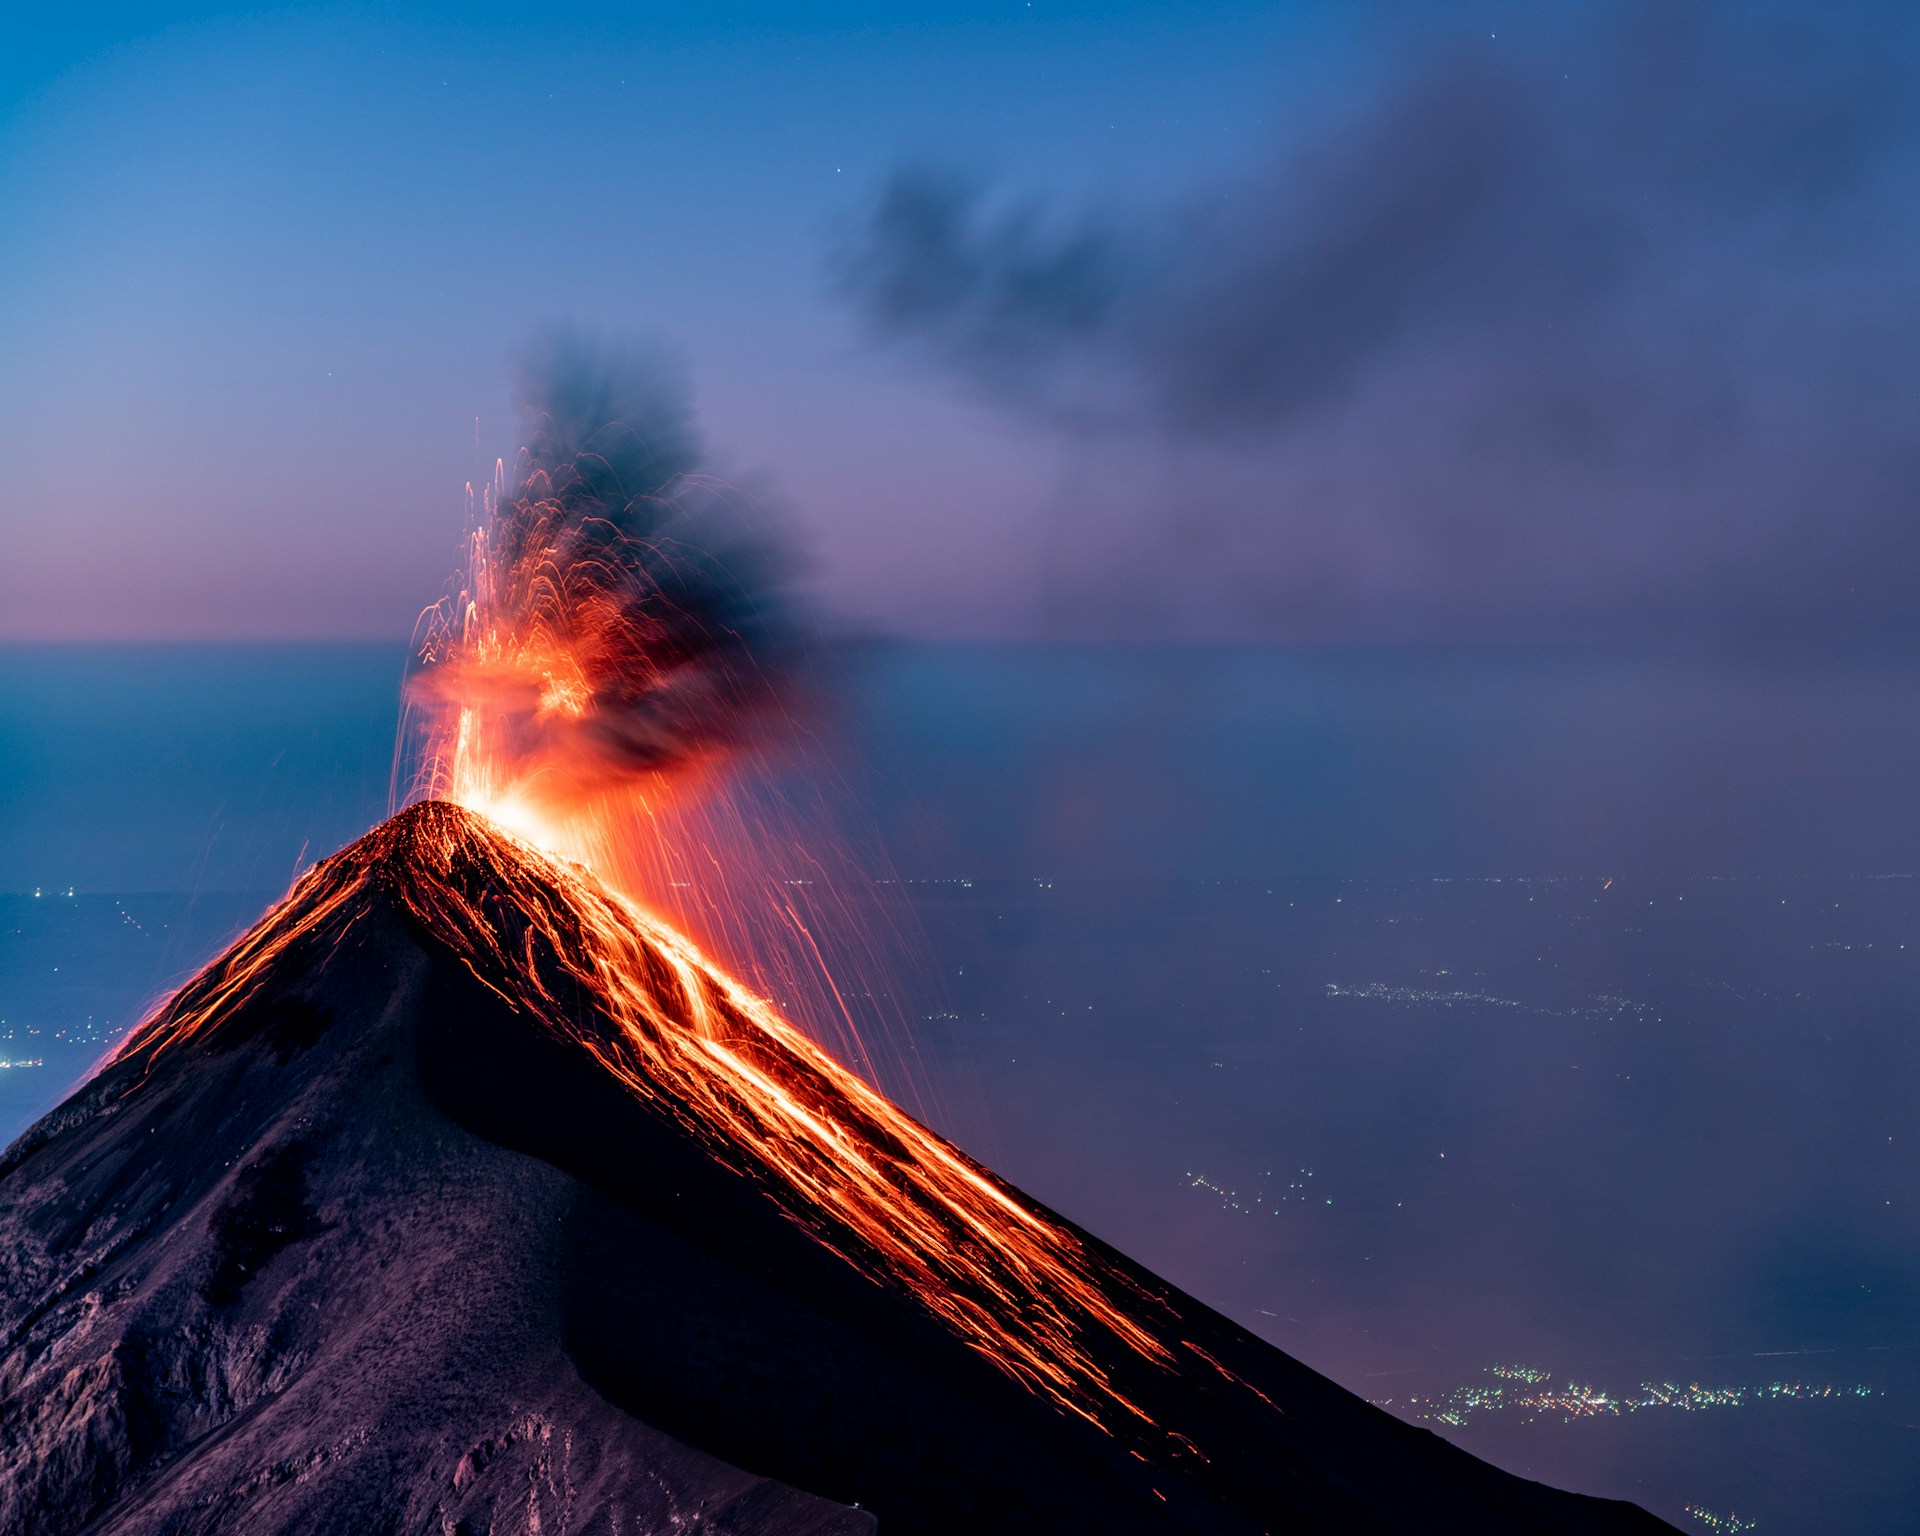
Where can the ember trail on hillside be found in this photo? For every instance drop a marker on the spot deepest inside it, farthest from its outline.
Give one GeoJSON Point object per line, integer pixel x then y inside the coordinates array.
{"type": "Point", "coordinates": [464, 1194]}
{"type": "Point", "coordinates": [608, 651]}
{"type": "Point", "coordinates": [881, 1190]}
{"type": "Point", "coordinates": [752, 1293]}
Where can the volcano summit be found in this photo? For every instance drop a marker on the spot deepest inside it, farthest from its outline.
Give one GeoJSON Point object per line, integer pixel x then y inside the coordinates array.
{"type": "Point", "coordinates": [462, 1196]}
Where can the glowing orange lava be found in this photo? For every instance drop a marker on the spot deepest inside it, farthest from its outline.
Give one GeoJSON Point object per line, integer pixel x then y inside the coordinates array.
{"type": "Point", "coordinates": [887, 1194]}
{"type": "Point", "coordinates": [547, 685]}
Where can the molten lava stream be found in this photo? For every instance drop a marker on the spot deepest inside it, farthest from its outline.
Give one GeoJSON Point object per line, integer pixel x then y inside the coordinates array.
{"type": "Point", "coordinates": [575, 701]}
{"type": "Point", "coordinates": [885, 1193]}
{"type": "Point", "coordinates": [693, 1039]}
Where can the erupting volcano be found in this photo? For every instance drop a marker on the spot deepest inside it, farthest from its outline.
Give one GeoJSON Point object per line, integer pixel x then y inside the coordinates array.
{"type": "Point", "coordinates": [467, 1194]}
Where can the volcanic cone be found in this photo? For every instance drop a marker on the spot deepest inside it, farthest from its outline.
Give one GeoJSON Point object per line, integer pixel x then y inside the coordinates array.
{"type": "Point", "coordinates": [462, 1196]}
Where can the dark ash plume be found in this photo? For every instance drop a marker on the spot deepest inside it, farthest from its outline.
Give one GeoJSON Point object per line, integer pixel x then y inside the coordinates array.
{"type": "Point", "coordinates": [627, 614]}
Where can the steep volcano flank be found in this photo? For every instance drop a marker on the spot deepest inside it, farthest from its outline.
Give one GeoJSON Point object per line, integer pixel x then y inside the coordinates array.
{"type": "Point", "coordinates": [886, 1194]}
{"type": "Point", "coordinates": [647, 1224]}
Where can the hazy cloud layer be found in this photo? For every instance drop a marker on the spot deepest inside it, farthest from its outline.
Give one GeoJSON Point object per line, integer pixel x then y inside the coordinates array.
{"type": "Point", "coordinates": [1601, 326]}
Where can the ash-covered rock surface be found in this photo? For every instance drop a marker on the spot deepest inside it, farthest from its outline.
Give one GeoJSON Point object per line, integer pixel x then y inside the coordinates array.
{"type": "Point", "coordinates": [374, 1252]}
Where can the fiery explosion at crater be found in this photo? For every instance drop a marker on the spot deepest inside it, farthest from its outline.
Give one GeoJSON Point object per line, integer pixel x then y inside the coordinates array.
{"type": "Point", "coordinates": [619, 631]}
{"type": "Point", "coordinates": [578, 704]}
{"type": "Point", "coordinates": [616, 676]}
{"type": "Point", "coordinates": [580, 849]}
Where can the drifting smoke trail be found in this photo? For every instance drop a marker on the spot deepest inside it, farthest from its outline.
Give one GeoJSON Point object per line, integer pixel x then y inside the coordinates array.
{"type": "Point", "coordinates": [1593, 321]}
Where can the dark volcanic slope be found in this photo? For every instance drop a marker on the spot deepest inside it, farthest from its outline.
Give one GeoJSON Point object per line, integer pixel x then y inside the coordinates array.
{"type": "Point", "coordinates": [371, 1250]}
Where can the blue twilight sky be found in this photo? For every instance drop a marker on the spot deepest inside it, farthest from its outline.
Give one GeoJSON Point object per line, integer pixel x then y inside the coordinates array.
{"type": "Point", "coordinates": [260, 270]}
{"type": "Point", "coordinates": [1313, 321]}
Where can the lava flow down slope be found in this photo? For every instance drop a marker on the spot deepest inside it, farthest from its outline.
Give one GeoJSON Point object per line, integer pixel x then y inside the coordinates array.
{"type": "Point", "coordinates": [463, 1195]}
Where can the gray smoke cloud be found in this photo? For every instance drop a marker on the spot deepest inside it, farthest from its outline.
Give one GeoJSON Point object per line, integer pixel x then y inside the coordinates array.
{"type": "Point", "coordinates": [1589, 321]}
{"type": "Point", "coordinates": [658, 595]}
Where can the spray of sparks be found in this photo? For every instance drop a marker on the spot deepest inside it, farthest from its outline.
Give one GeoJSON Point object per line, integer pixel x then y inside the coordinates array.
{"type": "Point", "coordinates": [616, 680]}
{"type": "Point", "coordinates": [582, 702]}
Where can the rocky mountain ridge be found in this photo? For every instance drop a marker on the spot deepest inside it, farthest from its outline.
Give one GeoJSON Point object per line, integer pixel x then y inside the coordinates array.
{"type": "Point", "coordinates": [349, 1240]}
